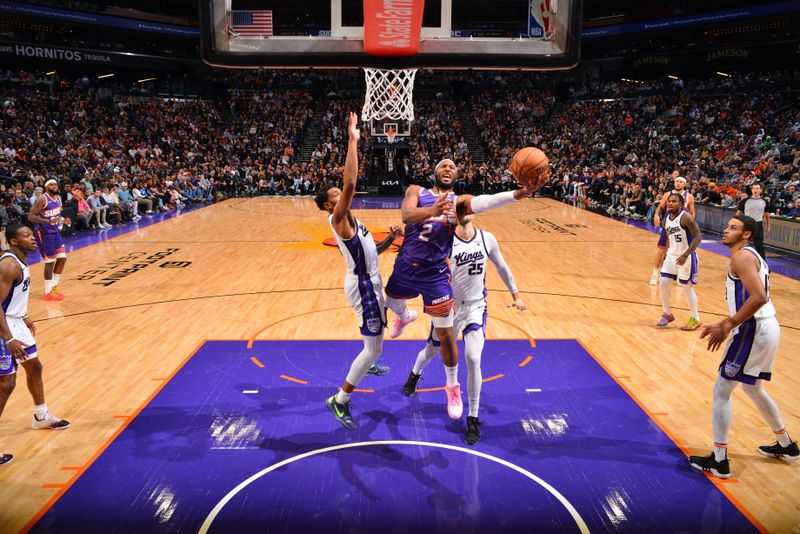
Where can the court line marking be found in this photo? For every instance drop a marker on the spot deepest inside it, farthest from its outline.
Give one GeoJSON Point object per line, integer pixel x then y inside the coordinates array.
{"type": "Point", "coordinates": [256, 361]}
{"type": "Point", "coordinates": [250, 391]}
{"type": "Point", "coordinates": [554, 492]}
{"type": "Point", "coordinates": [533, 390]}
{"type": "Point", "coordinates": [714, 480]}
{"type": "Point", "coordinates": [292, 379]}
{"type": "Point", "coordinates": [49, 504]}
{"type": "Point", "coordinates": [313, 289]}
{"type": "Point", "coordinates": [525, 362]}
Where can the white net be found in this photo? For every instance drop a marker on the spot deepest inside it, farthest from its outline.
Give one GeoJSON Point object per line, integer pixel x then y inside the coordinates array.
{"type": "Point", "coordinates": [389, 94]}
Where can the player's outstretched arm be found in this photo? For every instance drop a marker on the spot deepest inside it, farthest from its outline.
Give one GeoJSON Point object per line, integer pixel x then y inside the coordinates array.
{"type": "Point", "coordinates": [493, 248]}
{"type": "Point", "coordinates": [746, 266]}
{"type": "Point", "coordinates": [342, 209]}
{"type": "Point", "coordinates": [468, 204]}
{"type": "Point", "coordinates": [9, 272]}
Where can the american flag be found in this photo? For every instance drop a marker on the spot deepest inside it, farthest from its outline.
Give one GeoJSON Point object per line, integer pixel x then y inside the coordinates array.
{"type": "Point", "coordinates": [252, 23]}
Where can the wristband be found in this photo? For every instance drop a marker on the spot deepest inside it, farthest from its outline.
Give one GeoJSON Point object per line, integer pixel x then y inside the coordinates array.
{"type": "Point", "coordinates": [9, 340]}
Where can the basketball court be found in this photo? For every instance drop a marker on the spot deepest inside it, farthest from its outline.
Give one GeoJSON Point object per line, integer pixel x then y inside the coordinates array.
{"type": "Point", "coordinates": [196, 385]}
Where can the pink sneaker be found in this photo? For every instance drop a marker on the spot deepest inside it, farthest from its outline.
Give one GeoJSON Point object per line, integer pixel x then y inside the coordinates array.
{"type": "Point", "coordinates": [397, 325]}
{"type": "Point", "coordinates": [454, 405]}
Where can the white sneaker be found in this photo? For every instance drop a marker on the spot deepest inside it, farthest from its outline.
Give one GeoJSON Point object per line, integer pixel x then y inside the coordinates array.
{"type": "Point", "coordinates": [455, 406]}
{"type": "Point", "coordinates": [50, 422]}
{"type": "Point", "coordinates": [398, 326]}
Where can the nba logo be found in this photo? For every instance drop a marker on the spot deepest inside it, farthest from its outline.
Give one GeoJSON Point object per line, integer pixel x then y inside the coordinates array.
{"type": "Point", "coordinates": [540, 18]}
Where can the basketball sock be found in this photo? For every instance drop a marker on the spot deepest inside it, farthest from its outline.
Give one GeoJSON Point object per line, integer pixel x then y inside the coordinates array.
{"type": "Point", "coordinates": [373, 346]}
{"type": "Point", "coordinates": [473, 348]}
{"type": "Point", "coordinates": [342, 397]}
{"type": "Point", "coordinates": [452, 375]}
{"type": "Point", "coordinates": [425, 356]}
{"type": "Point", "coordinates": [769, 410]}
{"type": "Point", "coordinates": [720, 451]}
{"type": "Point", "coordinates": [783, 438]}
{"type": "Point", "coordinates": [722, 411]}
{"type": "Point", "coordinates": [398, 306]}
{"type": "Point", "coordinates": [691, 300]}
{"type": "Point", "coordinates": [56, 279]}
{"type": "Point", "coordinates": [48, 286]}
{"type": "Point", "coordinates": [40, 411]}
{"type": "Point", "coordinates": [665, 287]}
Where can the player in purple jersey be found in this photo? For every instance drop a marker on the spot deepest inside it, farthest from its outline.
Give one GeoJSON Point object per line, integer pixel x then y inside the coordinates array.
{"type": "Point", "coordinates": [422, 267]}
{"type": "Point", "coordinates": [46, 216]}
{"type": "Point", "coordinates": [362, 284]}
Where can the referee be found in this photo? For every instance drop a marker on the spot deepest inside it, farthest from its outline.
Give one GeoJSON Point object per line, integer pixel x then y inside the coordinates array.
{"type": "Point", "coordinates": [756, 207]}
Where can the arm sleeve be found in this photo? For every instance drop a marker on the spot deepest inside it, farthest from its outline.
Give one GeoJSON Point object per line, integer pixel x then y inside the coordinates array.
{"type": "Point", "coordinates": [497, 258]}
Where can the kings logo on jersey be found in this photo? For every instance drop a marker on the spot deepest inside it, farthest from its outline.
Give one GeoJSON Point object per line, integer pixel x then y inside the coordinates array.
{"type": "Point", "coordinates": [374, 324]}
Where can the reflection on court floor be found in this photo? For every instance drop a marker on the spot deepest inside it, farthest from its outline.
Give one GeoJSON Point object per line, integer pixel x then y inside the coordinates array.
{"type": "Point", "coordinates": [240, 440]}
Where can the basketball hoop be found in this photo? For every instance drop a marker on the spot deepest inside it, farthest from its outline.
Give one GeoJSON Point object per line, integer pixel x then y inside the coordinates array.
{"type": "Point", "coordinates": [389, 95]}
{"type": "Point", "coordinates": [390, 135]}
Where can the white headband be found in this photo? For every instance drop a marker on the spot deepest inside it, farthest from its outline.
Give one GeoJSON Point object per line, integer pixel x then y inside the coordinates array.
{"type": "Point", "coordinates": [437, 165]}
{"type": "Point", "coordinates": [50, 181]}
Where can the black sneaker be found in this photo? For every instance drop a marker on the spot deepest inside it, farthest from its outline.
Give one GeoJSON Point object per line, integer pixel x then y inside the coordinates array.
{"type": "Point", "coordinates": [341, 412]}
{"type": "Point", "coordinates": [790, 453]}
{"type": "Point", "coordinates": [473, 430]}
{"type": "Point", "coordinates": [709, 464]}
{"type": "Point", "coordinates": [410, 387]}
{"type": "Point", "coordinates": [6, 458]}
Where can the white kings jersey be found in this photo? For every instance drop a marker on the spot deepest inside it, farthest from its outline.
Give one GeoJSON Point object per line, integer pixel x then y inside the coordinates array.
{"type": "Point", "coordinates": [468, 266]}
{"type": "Point", "coordinates": [679, 237]}
{"type": "Point", "coordinates": [359, 253]}
{"type": "Point", "coordinates": [736, 294]}
{"type": "Point", "coordinates": [16, 303]}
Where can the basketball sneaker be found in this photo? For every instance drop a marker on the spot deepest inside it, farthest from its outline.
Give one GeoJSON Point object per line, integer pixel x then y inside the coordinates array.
{"type": "Point", "coordinates": [790, 453]}
{"type": "Point", "coordinates": [455, 407]}
{"type": "Point", "coordinates": [53, 297]}
{"type": "Point", "coordinates": [410, 387]}
{"type": "Point", "coordinates": [473, 430]}
{"type": "Point", "coordinates": [6, 458]}
{"type": "Point", "coordinates": [50, 422]}
{"type": "Point", "coordinates": [666, 318]}
{"type": "Point", "coordinates": [341, 412]}
{"type": "Point", "coordinates": [378, 369]}
{"type": "Point", "coordinates": [693, 324]}
{"type": "Point", "coordinates": [398, 325]}
{"type": "Point", "coordinates": [709, 464]}
{"type": "Point", "coordinates": [57, 291]}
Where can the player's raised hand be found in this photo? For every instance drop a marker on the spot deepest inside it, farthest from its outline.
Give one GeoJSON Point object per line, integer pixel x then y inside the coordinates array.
{"type": "Point", "coordinates": [352, 127]}
{"type": "Point", "coordinates": [442, 205]}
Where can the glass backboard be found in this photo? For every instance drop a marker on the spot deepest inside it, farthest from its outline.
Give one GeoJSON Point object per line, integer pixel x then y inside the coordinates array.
{"type": "Point", "coordinates": [456, 34]}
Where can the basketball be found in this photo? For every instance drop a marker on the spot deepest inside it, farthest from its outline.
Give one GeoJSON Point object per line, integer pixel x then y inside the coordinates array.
{"type": "Point", "coordinates": [529, 166]}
